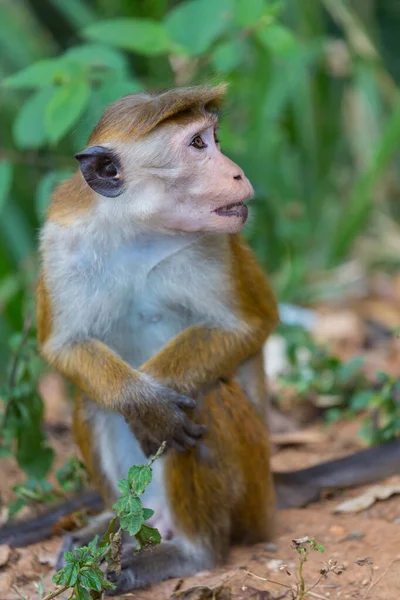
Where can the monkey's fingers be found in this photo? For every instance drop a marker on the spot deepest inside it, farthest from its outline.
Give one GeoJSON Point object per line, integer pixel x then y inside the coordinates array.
{"type": "Point", "coordinates": [187, 435]}
{"type": "Point", "coordinates": [183, 401]}
{"type": "Point", "coordinates": [194, 430]}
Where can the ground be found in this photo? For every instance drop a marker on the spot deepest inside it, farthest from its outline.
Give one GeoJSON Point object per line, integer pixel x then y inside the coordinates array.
{"type": "Point", "coordinates": [349, 539]}
{"type": "Point", "coordinates": [374, 533]}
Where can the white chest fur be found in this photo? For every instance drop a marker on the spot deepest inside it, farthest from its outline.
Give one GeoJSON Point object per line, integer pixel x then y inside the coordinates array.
{"type": "Point", "coordinates": [134, 295]}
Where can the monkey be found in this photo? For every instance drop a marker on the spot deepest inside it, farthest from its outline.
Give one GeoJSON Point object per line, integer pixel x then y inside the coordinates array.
{"type": "Point", "coordinates": [150, 302]}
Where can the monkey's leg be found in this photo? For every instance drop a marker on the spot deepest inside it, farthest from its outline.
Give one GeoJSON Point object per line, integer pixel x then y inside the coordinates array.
{"type": "Point", "coordinates": [219, 491]}
{"type": "Point", "coordinates": [170, 559]}
{"type": "Point", "coordinates": [77, 539]}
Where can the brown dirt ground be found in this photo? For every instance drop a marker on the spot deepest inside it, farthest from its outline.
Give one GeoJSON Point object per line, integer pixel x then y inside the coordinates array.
{"type": "Point", "coordinates": [373, 533]}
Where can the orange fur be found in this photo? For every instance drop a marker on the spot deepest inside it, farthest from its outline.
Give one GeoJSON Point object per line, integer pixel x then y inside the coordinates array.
{"type": "Point", "coordinates": [72, 199]}
{"type": "Point", "coordinates": [44, 316]}
{"type": "Point", "coordinates": [222, 490]}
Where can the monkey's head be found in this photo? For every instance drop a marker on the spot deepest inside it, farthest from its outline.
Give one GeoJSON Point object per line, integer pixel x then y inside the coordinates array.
{"type": "Point", "coordinates": [155, 160]}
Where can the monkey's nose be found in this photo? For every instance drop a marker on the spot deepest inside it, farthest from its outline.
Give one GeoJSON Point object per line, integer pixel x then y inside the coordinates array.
{"type": "Point", "coordinates": [238, 177]}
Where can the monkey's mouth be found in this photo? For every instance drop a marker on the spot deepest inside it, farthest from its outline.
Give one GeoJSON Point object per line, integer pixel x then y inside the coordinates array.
{"type": "Point", "coordinates": [238, 209]}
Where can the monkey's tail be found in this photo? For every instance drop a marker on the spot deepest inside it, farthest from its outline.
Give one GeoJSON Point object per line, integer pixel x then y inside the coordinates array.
{"type": "Point", "coordinates": [299, 488]}
{"type": "Point", "coordinates": [39, 528]}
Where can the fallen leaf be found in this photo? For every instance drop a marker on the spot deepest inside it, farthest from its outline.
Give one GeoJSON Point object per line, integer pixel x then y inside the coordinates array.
{"type": "Point", "coordinates": [201, 592]}
{"type": "Point", "coordinates": [364, 561]}
{"type": "Point", "coordinates": [367, 499]}
{"type": "Point", "coordinates": [4, 554]}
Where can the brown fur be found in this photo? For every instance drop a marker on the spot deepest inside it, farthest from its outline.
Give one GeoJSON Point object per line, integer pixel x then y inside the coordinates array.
{"type": "Point", "coordinates": [72, 199]}
{"type": "Point", "coordinates": [221, 490]}
{"type": "Point", "coordinates": [44, 316]}
{"type": "Point", "coordinates": [136, 115]}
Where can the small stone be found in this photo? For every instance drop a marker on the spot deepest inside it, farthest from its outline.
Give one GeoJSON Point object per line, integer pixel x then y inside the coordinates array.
{"type": "Point", "coordinates": [365, 582]}
{"type": "Point", "coordinates": [47, 558]}
{"type": "Point", "coordinates": [271, 547]}
{"type": "Point", "coordinates": [5, 551]}
{"type": "Point", "coordinates": [353, 535]}
{"type": "Point", "coordinates": [6, 581]}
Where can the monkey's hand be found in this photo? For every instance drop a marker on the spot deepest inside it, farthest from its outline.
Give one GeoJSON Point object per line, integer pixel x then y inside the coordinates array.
{"type": "Point", "coordinates": [160, 416]}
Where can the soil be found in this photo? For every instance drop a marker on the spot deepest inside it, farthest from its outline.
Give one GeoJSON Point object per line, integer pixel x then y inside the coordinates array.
{"type": "Point", "coordinates": [374, 534]}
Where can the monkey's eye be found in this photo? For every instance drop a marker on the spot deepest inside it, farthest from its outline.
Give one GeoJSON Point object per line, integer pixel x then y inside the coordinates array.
{"type": "Point", "coordinates": [216, 138]}
{"type": "Point", "coordinates": [198, 143]}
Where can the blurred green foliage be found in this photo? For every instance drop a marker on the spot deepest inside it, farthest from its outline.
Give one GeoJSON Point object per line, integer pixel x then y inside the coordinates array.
{"type": "Point", "coordinates": [313, 115]}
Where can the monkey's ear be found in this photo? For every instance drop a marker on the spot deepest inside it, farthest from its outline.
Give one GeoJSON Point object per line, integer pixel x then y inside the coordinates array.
{"type": "Point", "coordinates": [102, 170]}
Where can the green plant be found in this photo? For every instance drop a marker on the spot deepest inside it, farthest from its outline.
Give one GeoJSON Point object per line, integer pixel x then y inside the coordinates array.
{"type": "Point", "coordinates": [341, 388]}
{"type": "Point", "coordinates": [313, 115]}
{"type": "Point", "coordinates": [82, 573]}
{"type": "Point", "coordinates": [21, 434]}
{"type": "Point", "coordinates": [300, 590]}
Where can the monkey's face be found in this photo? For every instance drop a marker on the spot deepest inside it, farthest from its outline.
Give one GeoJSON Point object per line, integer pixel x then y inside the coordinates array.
{"type": "Point", "coordinates": [174, 179]}
{"type": "Point", "coordinates": [205, 190]}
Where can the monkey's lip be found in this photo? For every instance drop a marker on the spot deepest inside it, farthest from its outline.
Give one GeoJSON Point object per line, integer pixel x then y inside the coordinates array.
{"type": "Point", "coordinates": [237, 209]}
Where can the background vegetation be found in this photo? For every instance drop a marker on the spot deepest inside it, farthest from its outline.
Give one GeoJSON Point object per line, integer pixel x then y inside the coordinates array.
{"type": "Point", "coordinates": [313, 117]}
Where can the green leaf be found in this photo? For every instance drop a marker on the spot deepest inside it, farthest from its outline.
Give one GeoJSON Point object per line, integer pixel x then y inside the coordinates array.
{"type": "Point", "coordinates": [92, 545]}
{"type": "Point", "coordinates": [130, 511]}
{"type": "Point", "coordinates": [15, 506]}
{"type": "Point", "coordinates": [91, 579]}
{"type": "Point", "coordinates": [361, 400]}
{"type": "Point", "coordinates": [40, 74]}
{"type": "Point", "coordinates": [249, 12]}
{"type": "Point", "coordinates": [138, 35]}
{"type": "Point", "coordinates": [148, 536]}
{"type": "Point", "coordinates": [147, 513]}
{"type": "Point", "coordinates": [69, 557]}
{"type": "Point", "coordinates": [123, 486]}
{"type": "Point", "coordinates": [228, 55]}
{"type": "Point", "coordinates": [278, 39]}
{"type": "Point", "coordinates": [28, 127]}
{"type": "Point", "coordinates": [80, 593]}
{"type": "Point", "coordinates": [45, 189]}
{"type": "Point", "coordinates": [196, 24]}
{"type": "Point", "coordinates": [349, 370]}
{"type": "Point", "coordinates": [5, 181]}
{"type": "Point", "coordinates": [98, 55]}
{"type": "Point", "coordinates": [65, 108]}
{"type": "Point", "coordinates": [67, 575]}
{"type": "Point", "coordinates": [140, 476]}
{"type": "Point", "coordinates": [35, 460]}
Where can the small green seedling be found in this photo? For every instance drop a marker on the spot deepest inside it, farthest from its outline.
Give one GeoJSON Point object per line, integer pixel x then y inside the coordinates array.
{"type": "Point", "coordinates": [83, 576]}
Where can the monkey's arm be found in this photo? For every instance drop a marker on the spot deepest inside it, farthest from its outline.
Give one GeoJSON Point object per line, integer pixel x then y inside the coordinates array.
{"type": "Point", "coordinates": [106, 378]}
{"type": "Point", "coordinates": [200, 355]}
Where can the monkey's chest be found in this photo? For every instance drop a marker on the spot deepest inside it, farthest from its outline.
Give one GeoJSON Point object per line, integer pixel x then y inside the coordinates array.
{"type": "Point", "coordinates": [145, 326]}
